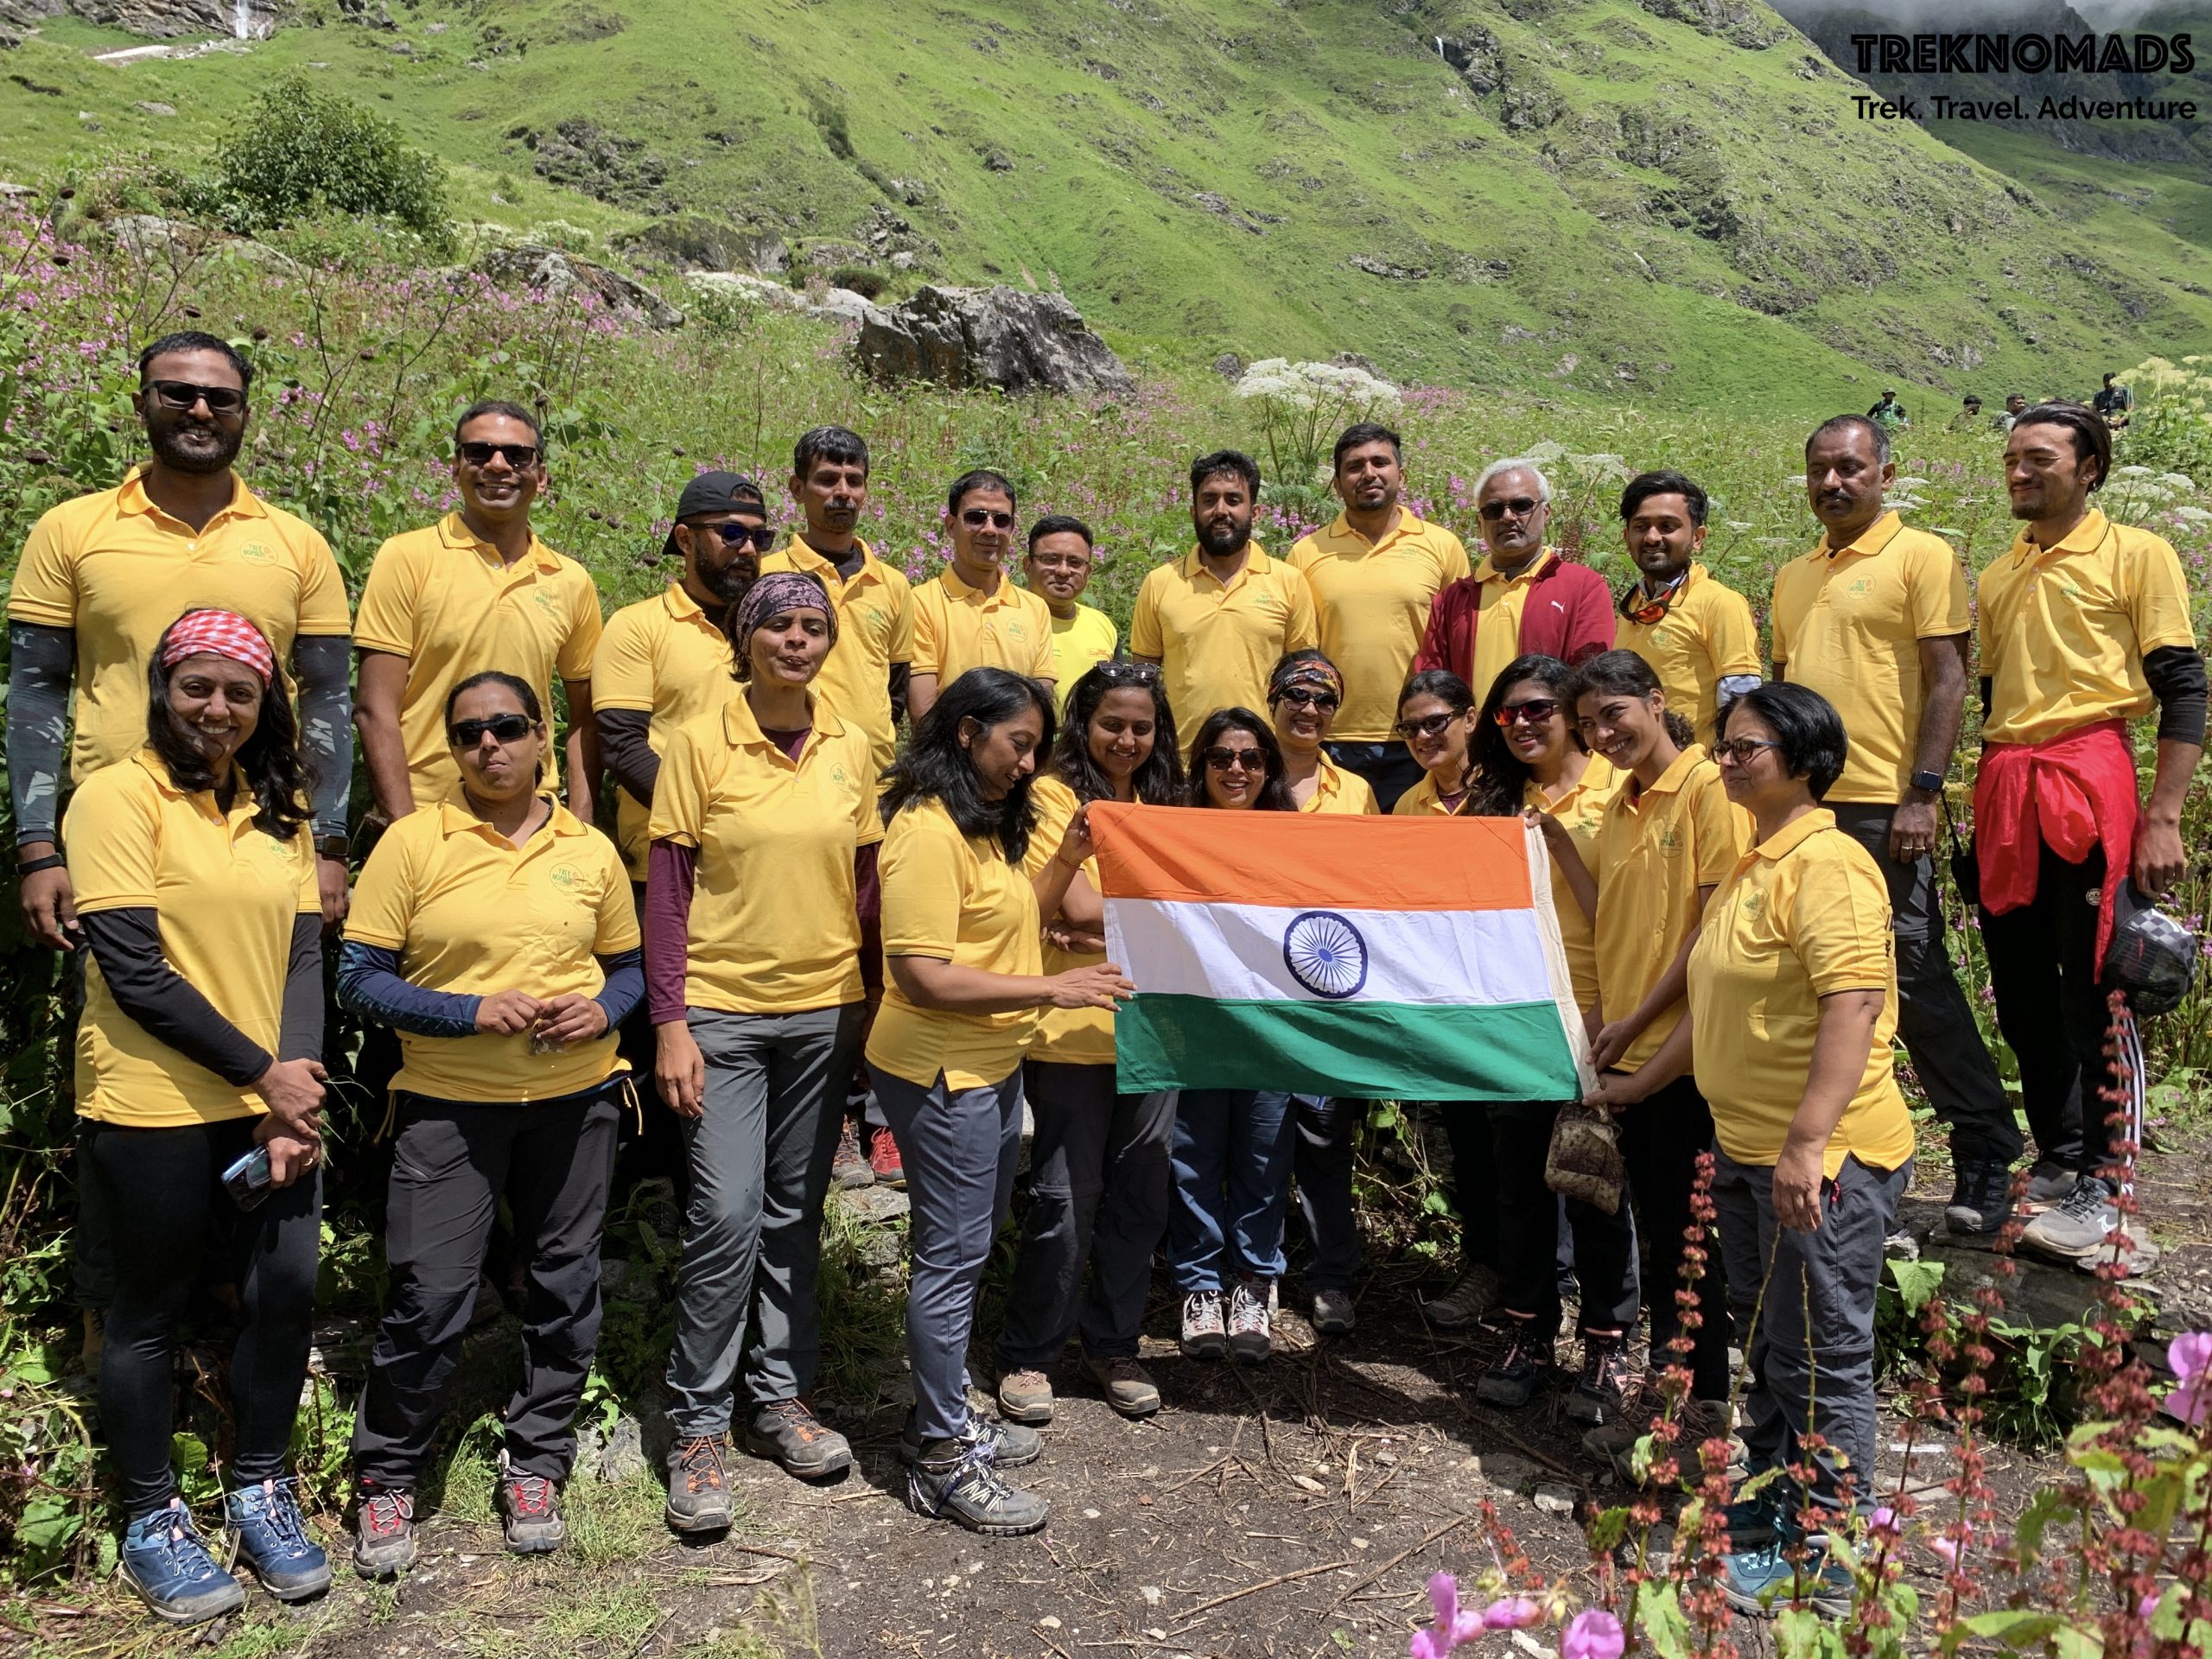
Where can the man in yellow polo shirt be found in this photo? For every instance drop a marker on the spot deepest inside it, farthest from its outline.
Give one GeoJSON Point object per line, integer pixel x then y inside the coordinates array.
{"type": "Point", "coordinates": [1218, 619]}
{"type": "Point", "coordinates": [1061, 555]}
{"type": "Point", "coordinates": [1376, 573]}
{"type": "Point", "coordinates": [971, 614]}
{"type": "Point", "coordinates": [1875, 619]}
{"type": "Point", "coordinates": [1697, 635]}
{"type": "Point", "coordinates": [103, 576]}
{"type": "Point", "coordinates": [866, 676]}
{"type": "Point", "coordinates": [475, 591]}
{"type": "Point", "coordinates": [2085, 624]}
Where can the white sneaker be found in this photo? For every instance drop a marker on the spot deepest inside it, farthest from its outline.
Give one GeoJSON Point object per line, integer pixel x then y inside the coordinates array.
{"type": "Point", "coordinates": [1248, 1336]}
{"type": "Point", "coordinates": [2078, 1228]}
{"type": "Point", "coordinates": [1204, 1335]}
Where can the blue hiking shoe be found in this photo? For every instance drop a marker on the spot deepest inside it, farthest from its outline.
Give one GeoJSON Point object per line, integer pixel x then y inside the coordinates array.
{"type": "Point", "coordinates": [268, 1532]}
{"type": "Point", "coordinates": [1760, 1578]}
{"type": "Point", "coordinates": [1756, 1520]}
{"type": "Point", "coordinates": [165, 1561]}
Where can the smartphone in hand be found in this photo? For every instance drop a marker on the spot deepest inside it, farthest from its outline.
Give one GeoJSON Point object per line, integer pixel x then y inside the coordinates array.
{"type": "Point", "coordinates": [250, 1180]}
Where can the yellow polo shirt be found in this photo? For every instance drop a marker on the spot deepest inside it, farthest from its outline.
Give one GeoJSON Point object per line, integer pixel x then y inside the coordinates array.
{"type": "Point", "coordinates": [957, 628]}
{"type": "Point", "coordinates": [1371, 601]}
{"type": "Point", "coordinates": [1803, 916]}
{"type": "Point", "coordinates": [1080, 643]}
{"type": "Point", "coordinates": [875, 629]}
{"type": "Point", "coordinates": [1065, 1036]}
{"type": "Point", "coordinates": [1499, 600]}
{"type": "Point", "coordinates": [225, 895]}
{"type": "Point", "coordinates": [1847, 623]}
{"type": "Point", "coordinates": [956, 898]}
{"type": "Point", "coordinates": [1582, 809]}
{"type": "Point", "coordinates": [773, 929]}
{"type": "Point", "coordinates": [1338, 791]}
{"type": "Point", "coordinates": [662, 657]}
{"type": "Point", "coordinates": [472, 914]}
{"type": "Point", "coordinates": [1706, 636]}
{"type": "Point", "coordinates": [442, 599]}
{"type": "Point", "coordinates": [118, 570]}
{"type": "Point", "coordinates": [1216, 642]}
{"type": "Point", "coordinates": [2064, 631]}
{"type": "Point", "coordinates": [1654, 852]}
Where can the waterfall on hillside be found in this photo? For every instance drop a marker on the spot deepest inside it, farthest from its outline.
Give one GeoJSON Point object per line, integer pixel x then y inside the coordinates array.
{"type": "Point", "coordinates": [242, 19]}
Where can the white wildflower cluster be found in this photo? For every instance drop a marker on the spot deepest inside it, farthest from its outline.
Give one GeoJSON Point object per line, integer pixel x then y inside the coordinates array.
{"type": "Point", "coordinates": [2139, 491]}
{"type": "Point", "coordinates": [1316, 385]}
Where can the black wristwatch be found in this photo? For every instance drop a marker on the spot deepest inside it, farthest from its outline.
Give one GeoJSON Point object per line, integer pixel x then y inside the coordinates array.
{"type": "Point", "coordinates": [1930, 781]}
{"type": "Point", "coordinates": [335, 847]}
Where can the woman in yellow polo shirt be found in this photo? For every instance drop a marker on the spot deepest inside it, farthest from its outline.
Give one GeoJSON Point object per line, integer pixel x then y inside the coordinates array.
{"type": "Point", "coordinates": [497, 934]}
{"type": "Point", "coordinates": [1436, 722]}
{"type": "Point", "coordinates": [1669, 836]}
{"type": "Point", "coordinates": [1098, 1160]}
{"type": "Point", "coordinates": [200, 1049]}
{"type": "Point", "coordinates": [752, 942]}
{"type": "Point", "coordinates": [1793, 1005]}
{"type": "Point", "coordinates": [1304, 691]}
{"type": "Point", "coordinates": [961, 947]}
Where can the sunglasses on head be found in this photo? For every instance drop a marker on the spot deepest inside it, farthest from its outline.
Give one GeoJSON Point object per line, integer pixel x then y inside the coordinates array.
{"type": "Point", "coordinates": [1306, 696]}
{"type": "Point", "coordinates": [520, 456]}
{"type": "Point", "coordinates": [1535, 711]}
{"type": "Point", "coordinates": [758, 536]}
{"type": "Point", "coordinates": [1128, 673]}
{"type": "Point", "coordinates": [508, 728]}
{"type": "Point", "coordinates": [1520, 506]}
{"type": "Point", "coordinates": [1427, 726]}
{"type": "Point", "coordinates": [183, 394]}
{"type": "Point", "coordinates": [976, 517]}
{"type": "Point", "coordinates": [1228, 760]}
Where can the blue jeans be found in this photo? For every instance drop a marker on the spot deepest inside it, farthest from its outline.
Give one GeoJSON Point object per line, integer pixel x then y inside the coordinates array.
{"type": "Point", "coordinates": [1233, 1154]}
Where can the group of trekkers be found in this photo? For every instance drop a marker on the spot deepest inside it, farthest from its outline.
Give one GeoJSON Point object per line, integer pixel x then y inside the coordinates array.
{"type": "Point", "coordinates": [797, 911]}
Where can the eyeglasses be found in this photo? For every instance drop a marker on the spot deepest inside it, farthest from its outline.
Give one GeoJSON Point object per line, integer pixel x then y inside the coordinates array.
{"type": "Point", "coordinates": [1742, 750]}
{"type": "Point", "coordinates": [183, 394]}
{"type": "Point", "coordinates": [508, 728]}
{"type": "Point", "coordinates": [1127, 673]}
{"type": "Point", "coordinates": [1427, 726]}
{"type": "Point", "coordinates": [1227, 760]}
{"type": "Point", "coordinates": [1535, 711]}
{"type": "Point", "coordinates": [1299, 696]}
{"type": "Point", "coordinates": [976, 517]}
{"type": "Point", "coordinates": [1520, 506]}
{"type": "Point", "coordinates": [760, 536]}
{"type": "Point", "coordinates": [520, 456]}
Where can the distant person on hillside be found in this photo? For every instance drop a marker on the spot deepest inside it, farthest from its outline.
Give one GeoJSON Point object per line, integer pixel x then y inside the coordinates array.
{"type": "Point", "coordinates": [1522, 597]}
{"type": "Point", "coordinates": [1875, 619]}
{"type": "Point", "coordinates": [1061, 557]}
{"type": "Point", "coordinates": [1969, 416]}
{"type": "Point", "coordinates": [1889, 413]}
{"type": "Point", "coordinates": [971, 614]}
{"type": "Point", "coordinates": [2014, 404]}
{"type": "Point", "coordinates": [1219, 619]}
{"type": "Point", "coordinates": [1376, 573]}
{"type": "Point", "coordinates": [477, 590]}
{"type": "Point", "coordinates": [2113, 403]}
{"type": "Point", "coordinates": [1698, 635]}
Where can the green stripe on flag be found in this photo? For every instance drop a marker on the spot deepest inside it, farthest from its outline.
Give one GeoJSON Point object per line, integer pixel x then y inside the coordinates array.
{"type": "Point", "coordinates": [1371, 1050]}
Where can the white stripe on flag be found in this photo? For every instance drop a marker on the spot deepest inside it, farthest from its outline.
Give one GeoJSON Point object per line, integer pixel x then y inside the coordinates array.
{"type": "Point", "coordinates": [1247, 952]}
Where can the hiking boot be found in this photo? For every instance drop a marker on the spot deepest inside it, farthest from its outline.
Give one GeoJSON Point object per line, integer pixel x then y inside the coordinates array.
{"type": "Point", "coordinates": [1011, 1445]}
{"type": "Point", "coordinates": [1332, 1313]}
{"type": "Point", "coordinates": [789, 1431]}
{"type": "Point", "coordinates": [850, 1167]}
{"type": "Point", "coordinates": [698, 1486]}
{"type": "Point", "coordinates": [1527, 1367]}
{"type": "Point", "coordinates": [1601, 1392]}
{"type": "Point", "coordinates": [530, 1511]}
{"type": "Point", "coordinates": [883, 1158]}
{"type": "Point", "coordinates": [384, 1532]}
{"type": "Point", "coordinates": [1761, 1579]}
{"type": "Point", "coordinates": [1205, 1334]}
{"type": "Point", "coordinates": [1755, 1521]}
{"type": "Point", "coordinates": [1981, 1201]}
{"type": "Point", "coordinates": [1249, 1304]}
{"type": "Point", "coordinates": [1461, 1306]}
{"type": "Point", "coordinates": [1025, 1396]}
{"type": "Point", "coordinates": [958, 1480]}
{"type": "Point", "coordinates": [165, 1562]}
{"type": "Point", "coordinates": [2048, 1182]}
{"type": "Point", "coordinates": [1128, 1388]}
{"type": "Point", "coordinates": [268, 1532]}
{"type": "Point", "coordinates": [1698, 1420]}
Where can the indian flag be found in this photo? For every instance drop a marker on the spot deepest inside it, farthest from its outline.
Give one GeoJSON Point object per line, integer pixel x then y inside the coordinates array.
{"type": "Point", "coordinates": [1372, 958]}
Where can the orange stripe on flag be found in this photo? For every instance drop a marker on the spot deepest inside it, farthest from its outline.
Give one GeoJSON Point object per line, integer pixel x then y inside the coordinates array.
{"type": "Point", "coordinates": [1297, 859]}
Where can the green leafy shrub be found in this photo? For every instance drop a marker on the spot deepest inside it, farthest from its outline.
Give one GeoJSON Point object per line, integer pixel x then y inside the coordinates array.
{"type": "Point", "coordinates": [304, 151]}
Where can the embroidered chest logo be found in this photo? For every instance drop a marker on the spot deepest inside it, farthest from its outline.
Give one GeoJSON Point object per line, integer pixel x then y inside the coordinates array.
{"type": "Point", "coordinates": [566, 877]}
{"type": "Point", "coordinates": [1670, 841]}
{"type": "Point", "coordinates": [544, 601]}
{"type": "Point", "coordinates": [256, 553]}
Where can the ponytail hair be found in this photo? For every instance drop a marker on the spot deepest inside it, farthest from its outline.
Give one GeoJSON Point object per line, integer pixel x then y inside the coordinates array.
{"type": "Point", "coordinates": [1625, 674]}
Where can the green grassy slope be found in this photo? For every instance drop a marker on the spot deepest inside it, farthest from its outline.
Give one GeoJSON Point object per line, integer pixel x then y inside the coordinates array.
{"type": "Point", "coordinates": [1612, 203]}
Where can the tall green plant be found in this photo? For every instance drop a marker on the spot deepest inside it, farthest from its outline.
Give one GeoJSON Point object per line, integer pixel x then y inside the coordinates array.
{"type": "Point", "coordinates": [303, 150]}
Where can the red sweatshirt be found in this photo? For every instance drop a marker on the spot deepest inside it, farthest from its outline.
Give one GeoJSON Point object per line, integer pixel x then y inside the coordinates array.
{"type": "Point", "coordinates": [1568, 614]}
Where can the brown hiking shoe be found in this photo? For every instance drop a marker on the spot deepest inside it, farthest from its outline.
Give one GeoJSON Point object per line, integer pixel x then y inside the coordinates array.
{"type": "Point", "coordinates": [1696, 1422]}
{"type": "Point", "coordinates": [789, 1431]}
{"type": "Point", "coordinates": [1129, 1390]}
{"type": "Point", "coordinates": [1025, 1396]}
{"type": "Point", "coordinates": [698, 1486]}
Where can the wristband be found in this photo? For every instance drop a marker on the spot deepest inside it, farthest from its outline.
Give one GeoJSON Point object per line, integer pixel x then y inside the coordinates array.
{"type": "Point", "coordinates": [1930, 781]}
{"type": "Point", "coordinates": [33, 867]}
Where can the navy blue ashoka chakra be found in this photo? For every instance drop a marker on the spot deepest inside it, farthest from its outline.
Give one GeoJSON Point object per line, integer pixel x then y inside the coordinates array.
{"type": "Point", "coordinates": [1326, 954]}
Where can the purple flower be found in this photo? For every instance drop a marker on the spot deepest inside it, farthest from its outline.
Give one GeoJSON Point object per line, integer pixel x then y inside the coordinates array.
{"type": "Point", "coordinates": [2191, 1358]}
{"type": "Point", "coordinates": [1595, 1634]}
{"type": "Point", "coordinates": [1513, 1613]}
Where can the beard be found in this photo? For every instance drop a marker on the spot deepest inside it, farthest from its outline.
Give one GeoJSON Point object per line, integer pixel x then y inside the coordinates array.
{"type": "Point", "coordinates": [199, 461]}
{"type": "Point", "coordinates": [1223, 541]}
{"type": "Point", "coordinates": [729, 582]}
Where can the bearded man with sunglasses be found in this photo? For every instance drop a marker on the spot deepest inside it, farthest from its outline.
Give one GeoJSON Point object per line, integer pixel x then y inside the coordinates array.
{"type": "Point", "coordinates": [971, 614]}
{"type": "Point", "coordinates": [1523, 598]}
{"type": "Point", "coordinates": [476, 591]}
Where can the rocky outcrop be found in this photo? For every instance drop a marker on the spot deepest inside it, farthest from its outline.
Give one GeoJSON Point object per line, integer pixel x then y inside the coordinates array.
{"type": "Point", "coordinates": [551, 271]}
{"type": "Point", "coordinates": [1002, 337]}
{"type": "Point", "coordinates": [837, 305]}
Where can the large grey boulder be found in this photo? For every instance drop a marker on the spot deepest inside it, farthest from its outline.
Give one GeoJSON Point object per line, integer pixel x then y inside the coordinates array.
{"type": "Point", "coordinates": [1003, 337]}
{"type": "Point", "coordinates": [562, 274]}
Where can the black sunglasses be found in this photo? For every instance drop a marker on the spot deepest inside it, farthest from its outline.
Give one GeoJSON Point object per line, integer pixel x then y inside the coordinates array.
{"type": "Point", "coordinates": [760, 536]}
{"type": "Point", "coordinates": [1127, 673]}
{"type": "Point", "coordinates": [520, 456]}
{"type": "Point", "coordinates": [1535, 711]}
{"type": "Point", "coordinates": [183, 394]}
{"type": "Point", "coordinates": [1228, 760]}
{"type": "Point", "coordinates": [508, 728]}
{"type": "Point", "coordinates": [1520, 506]}
{"type": "Point", "coordinates": [976, 517]}
{"type": "Point", "coordinates": [1427, 726]}
{"type": "Point", "coordinates": [1300, 696]}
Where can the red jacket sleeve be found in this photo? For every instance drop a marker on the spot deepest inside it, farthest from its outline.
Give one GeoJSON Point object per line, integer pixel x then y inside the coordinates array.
{"type": "Point", "coordinates": [1438, 647]}
{"type": "Point", "coordinates": [1590, 614]}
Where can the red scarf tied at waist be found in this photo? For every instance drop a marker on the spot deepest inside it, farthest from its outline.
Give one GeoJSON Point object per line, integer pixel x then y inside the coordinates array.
{"type": "Point", "coordinates": [2075, 793]}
